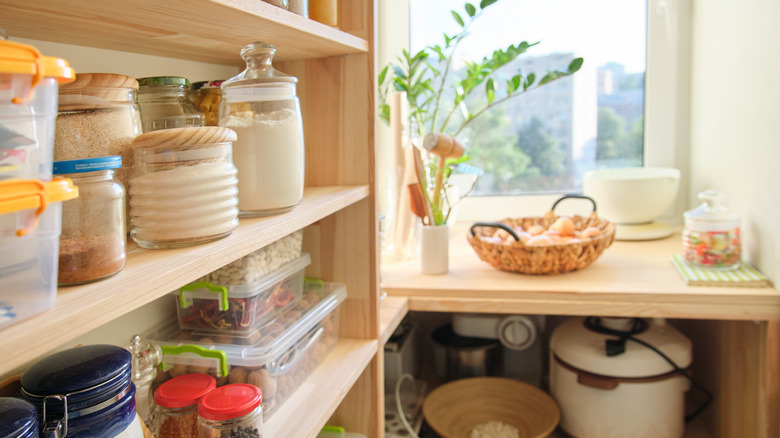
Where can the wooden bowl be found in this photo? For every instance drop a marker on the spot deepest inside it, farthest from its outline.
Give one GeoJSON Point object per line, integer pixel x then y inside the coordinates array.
{"type": "Point", "coordinates": [455, 408]}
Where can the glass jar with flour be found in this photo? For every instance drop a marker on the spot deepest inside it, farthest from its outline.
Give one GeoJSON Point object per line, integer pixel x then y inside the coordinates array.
{"type": "Point", "coordinates": [261, 106]}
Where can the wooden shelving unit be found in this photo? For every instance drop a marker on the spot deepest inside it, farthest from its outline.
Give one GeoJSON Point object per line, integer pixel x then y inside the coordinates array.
{"type": "Point", "coordinates": [335, 68]}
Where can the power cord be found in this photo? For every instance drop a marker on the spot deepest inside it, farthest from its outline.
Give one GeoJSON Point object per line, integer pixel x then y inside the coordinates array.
{"type": "Point", "coordinates": [617, 346]}
{"type": "Point", "coordinates": [398, 406]}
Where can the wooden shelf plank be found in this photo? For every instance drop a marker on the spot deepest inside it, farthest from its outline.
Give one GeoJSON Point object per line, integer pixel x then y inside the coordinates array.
{"type": "Point", "coordinates": [307, 410]}
{"type": "Point", "coordinates": [200, 30]}
{"type": "Point", "coordinates": [391, 312]}
{"type": "Point", "coordinates": [150, 274]}
{"type": "Point", "coordinates": [629, 279]}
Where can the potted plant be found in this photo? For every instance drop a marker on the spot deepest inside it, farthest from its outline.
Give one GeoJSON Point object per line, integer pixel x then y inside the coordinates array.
{"type": "Point", "coordinates": [443, 101]}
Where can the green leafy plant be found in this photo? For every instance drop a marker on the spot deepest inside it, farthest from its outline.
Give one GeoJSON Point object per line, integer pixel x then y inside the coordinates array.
{"type": "Point", "coordinates": [440, 99]}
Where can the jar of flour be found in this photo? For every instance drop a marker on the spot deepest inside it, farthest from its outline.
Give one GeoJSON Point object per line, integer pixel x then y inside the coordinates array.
{"type": "Point", "coordinates": [261, 106]}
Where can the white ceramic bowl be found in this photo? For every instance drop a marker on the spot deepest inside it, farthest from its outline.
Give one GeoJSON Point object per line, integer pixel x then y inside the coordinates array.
{"type": "Point", "coordinates": [634, 195]}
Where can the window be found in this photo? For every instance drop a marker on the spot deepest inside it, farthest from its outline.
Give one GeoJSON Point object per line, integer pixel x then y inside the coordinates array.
{"type": "Point", "coordinates": [552, 135]}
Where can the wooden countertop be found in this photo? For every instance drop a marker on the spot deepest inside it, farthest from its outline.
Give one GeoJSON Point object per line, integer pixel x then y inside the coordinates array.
{"type": "Point", "coordinates": [629, 279]}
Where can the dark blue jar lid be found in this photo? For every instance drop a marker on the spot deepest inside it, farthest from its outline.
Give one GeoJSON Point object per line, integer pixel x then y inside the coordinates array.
{"type": "Point", "coordinates": [87, 165]}
{"type": "Point", "coordinates": [85, 374]}
{"type": "Point", "coordinates": [17, 418]}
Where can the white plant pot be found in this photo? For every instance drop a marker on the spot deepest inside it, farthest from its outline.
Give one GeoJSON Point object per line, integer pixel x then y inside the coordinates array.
{"type": "Point", "coordinates": [434, 249]}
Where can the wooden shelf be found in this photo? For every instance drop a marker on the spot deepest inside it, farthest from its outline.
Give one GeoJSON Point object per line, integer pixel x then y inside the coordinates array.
{"type": "Point", "coordinates": [391, 312]}
{"type": "Point", "coordinates": [308, 408]}
{"type": "Point", "coordinates": [199, 30]}
{"type": "Point", "coordinates": [629, 279]}
{"type": "Point", "coordinates": [150, 274]}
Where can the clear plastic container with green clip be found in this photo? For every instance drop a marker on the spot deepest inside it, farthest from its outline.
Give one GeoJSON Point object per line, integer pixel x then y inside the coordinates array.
{"type": "Point", "coordinates": [277, 357]}
{"type": "Point", "coordinates": [240, 308]}
{"type": "Point", "coordinates": [711, 237]}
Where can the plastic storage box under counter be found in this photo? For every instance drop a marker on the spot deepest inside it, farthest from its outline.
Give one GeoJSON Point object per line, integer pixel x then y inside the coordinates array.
{"type": "Point", "coordinates": [277, 357]}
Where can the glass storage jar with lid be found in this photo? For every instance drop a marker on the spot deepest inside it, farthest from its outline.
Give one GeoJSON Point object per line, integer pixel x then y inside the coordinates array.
{"type": "Point", "coordinates": [177, 401]}
{"type": "Point", "coordinates": [261, 106]}
{"type": "Point", "coordinates": [18, 418]}
{"type": "Point", "coordinates": [92, 241]}
{"type": "Point", "coordinates": [183, 190]}
{"type": "Point", "coordinates": [98, 117]}
{"type": "Point", "coordinates": [711, 237]}
{"type": "Point", "coordinates": [165, 103]}
{"type": "Point", "coordinates": [233, 410]}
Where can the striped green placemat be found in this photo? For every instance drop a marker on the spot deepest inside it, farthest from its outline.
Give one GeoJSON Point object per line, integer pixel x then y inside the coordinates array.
{"type": "Point", "coordinates": [743, 276]}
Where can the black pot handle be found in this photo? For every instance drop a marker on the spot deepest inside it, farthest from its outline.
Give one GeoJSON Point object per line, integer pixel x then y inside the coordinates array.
{"type": "Point", "coordinates": [501, 225]}
{"type": "Point", "coordinates": [576, 197]}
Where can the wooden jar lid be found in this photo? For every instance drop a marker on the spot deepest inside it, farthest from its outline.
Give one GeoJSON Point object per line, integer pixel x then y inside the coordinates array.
{"type": "Point", "coordinates": [101, 80]}
{"type": "Point", "coordinates": [190, 137]}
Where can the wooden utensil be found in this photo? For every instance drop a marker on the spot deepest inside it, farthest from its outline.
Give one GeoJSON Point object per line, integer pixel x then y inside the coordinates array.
{"type": "Point", "coordinates": [419, 166]}
{"type": "Point", "coordinates": [444, 146]}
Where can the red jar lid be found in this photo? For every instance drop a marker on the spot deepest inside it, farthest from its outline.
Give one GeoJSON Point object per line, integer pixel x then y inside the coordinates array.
{"type": "Point", "coordinates": [230, 401]}
{"type": "Point", "coordinates": [183, 391]}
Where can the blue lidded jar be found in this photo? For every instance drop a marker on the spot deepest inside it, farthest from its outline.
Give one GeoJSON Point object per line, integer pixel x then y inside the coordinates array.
{"type": "Point", "coordinates": [84, 392]}
{"type": "Point", "coordinates": [17, 418]}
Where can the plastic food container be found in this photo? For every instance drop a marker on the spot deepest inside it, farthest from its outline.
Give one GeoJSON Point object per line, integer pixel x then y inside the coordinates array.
{"type": "Point", "coordinates": [711, 237]}
{"type": "Point", "coordinates": [277, 357]}
{"type": "Point", "coordinates": [177, 403]}
{"type": "Point", "coordinates": [231, 411]}
{"type": "Point", "coordinates": [28, 108]}
{"type": "Point", "coordinates": [205, 306]}
{"type": "Point", "coordinates": [30, 223]}
{"type": "Point", "coordinates": [18, 418]}
{"type": "Point", "coordinates": [87, 392]}
{"type": "Point", "coordinates": [633, 393]}
{"type": "Point", "coordinates": [183, 190]}
{"type": "Point", "coordinates": [92, 242]}
{"type": "Point", "coordinates": [261, 106]}
{"type": "Point", "coordinates": [206, 95]}
{"type": "Point", "coordinates": [165, 104]}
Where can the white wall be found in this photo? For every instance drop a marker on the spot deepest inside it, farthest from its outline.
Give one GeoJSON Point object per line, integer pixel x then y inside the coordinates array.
{"type": "Point", "coordinates": [735, 118]}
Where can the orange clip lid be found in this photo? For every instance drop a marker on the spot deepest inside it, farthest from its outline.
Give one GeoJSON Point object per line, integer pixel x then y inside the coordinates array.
{"type": "Point", "coordinates": [19, 58]}
{"type": "Point", "coordinates": [25, 194]}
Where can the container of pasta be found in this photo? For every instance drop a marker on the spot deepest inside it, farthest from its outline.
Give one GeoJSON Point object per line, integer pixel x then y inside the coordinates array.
{"type": "Point", "coordinates": [276, 357]}
{"type": "Point", "coordinates": [238, 308]}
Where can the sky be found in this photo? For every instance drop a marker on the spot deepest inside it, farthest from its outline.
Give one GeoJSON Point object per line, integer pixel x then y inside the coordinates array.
{"type": "Point", "coordinates": [601, 31]}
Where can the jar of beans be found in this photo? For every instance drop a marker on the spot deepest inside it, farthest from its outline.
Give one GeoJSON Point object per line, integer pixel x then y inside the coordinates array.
{"type": "Point", "coordinates": [231, 411]}
{"type": "Point", "coordinates": [92, 241]}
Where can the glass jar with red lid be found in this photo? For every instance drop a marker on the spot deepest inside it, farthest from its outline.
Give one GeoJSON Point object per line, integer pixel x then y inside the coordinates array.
{"type": "Point", "coordinates": [177, 405]}
{"type": "Point", "coordinates": [233, 410]}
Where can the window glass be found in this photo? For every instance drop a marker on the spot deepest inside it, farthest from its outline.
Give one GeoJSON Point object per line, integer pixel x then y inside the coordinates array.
{"type": "Point", "coordinates": [545, 139]}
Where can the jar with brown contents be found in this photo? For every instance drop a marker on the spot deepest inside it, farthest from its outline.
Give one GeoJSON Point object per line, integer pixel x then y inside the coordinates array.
{"type": "Point", "coordinates": [92, 241]}
{"type": "Point", "coordinates": [177, 402]}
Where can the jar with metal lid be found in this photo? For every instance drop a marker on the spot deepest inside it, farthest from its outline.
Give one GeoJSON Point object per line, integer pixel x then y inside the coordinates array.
{"type": "Point", "coordinates": [18, 418]}
{"type": "Point", "coordinates": [184, 187]}
{"type": "Point", "coordinates": [233, 410]}
{"type": "Point", "coordinates": [261, 106]}
{"type": "Point", "coordinates": [145, 359]}
{"type": "Point", "coordinates": [206, 95]}
{"type": "Point", "coordinates": [92, 241]}
{"type": "Point", "coordinates": [84, 392]}
{"type": "Point", "coordinates": [711, 237]}
{"type": "Point", "coordinates": [98, 117]}
{"type": "Point", "coordinates": [165, 103]}
{"type": "Point", "coordinates": [177, 401]}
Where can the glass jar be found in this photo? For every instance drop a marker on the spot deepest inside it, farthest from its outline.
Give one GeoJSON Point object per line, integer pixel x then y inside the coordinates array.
{"type": "Point", "coordinates": [17, 418]}
{"type": "Point", "coordinates": [145, 359]}
{"type": "Point", "coordinates": [84, 392]}
{"type": "Point", "coordinates": [206, 95]}
{"type": "Point", "coordinates": [184, 187]}
{"type": "Point", "coordinates": [711, 237]}
{"type": "Point", "coordinates": [177, 401]}
{"type": "Point", "coordinates": [233, 410]}
{"type": "Point", "coordinates": [260, 105]}
{"type": "Point", "coordinates": [165, 103]}
{"type": "Point", "coordinates": [98, 117]}
{"type": "Point", "coordinates": [300, 7]}
{"type": "Point", "coordinates": [92, 241]}
{"type": "Point", "coordinates": [325, 11]}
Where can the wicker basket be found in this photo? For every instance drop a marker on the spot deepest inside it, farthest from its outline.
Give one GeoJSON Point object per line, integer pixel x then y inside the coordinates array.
{"type": "Point", "coordinates": [541, 259]}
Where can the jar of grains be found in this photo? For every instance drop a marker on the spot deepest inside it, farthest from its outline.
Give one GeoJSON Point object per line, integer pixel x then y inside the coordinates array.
{"type": "Point", "coordinates": [165, 103]}
{"type": "Point", "coordinates": [92, 241]}
{"type": "Point", "coordinates": [98, 117]}
{"type": "Point", "coordinates": [260, 104]}
{"type": "Point", "coordinates": [206, 95]}
{"type": "Point", "coordinates": [231, 411]}
{"type": "Point", "coordinates": [183, 190]}
{"type": "Point", "coordinates": [177, 404]}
